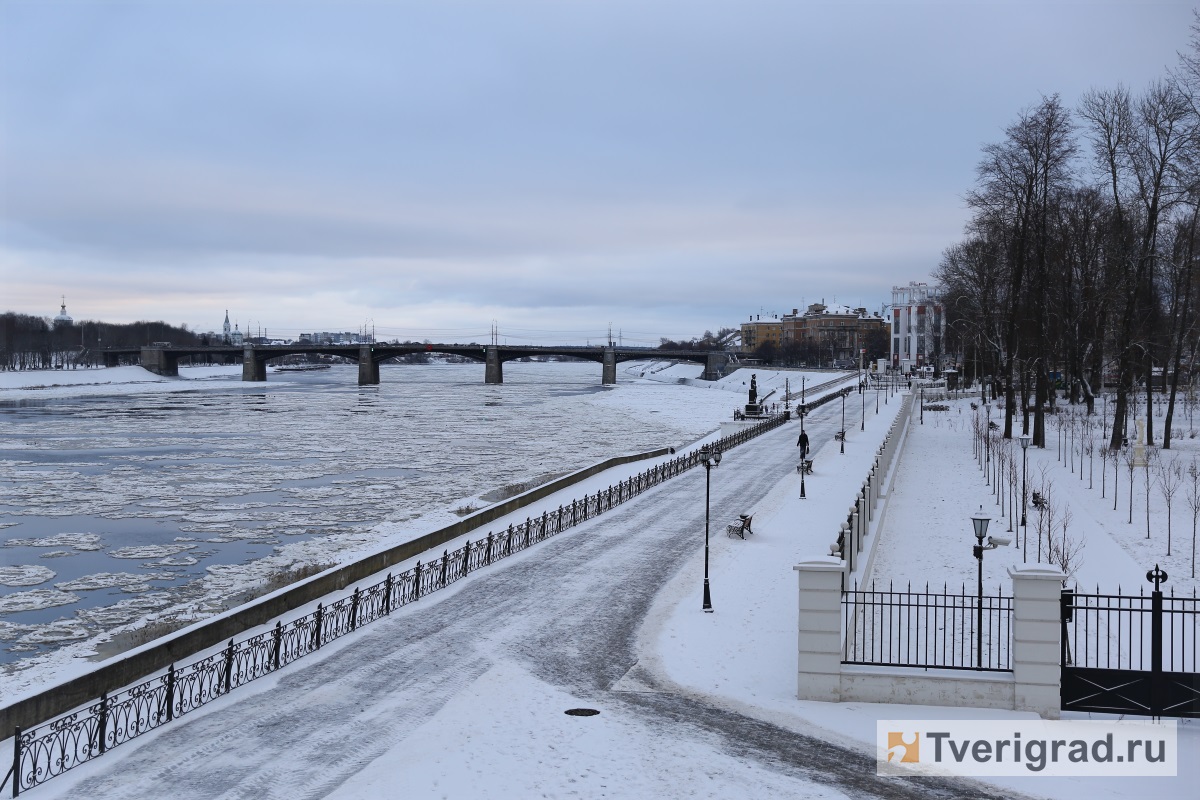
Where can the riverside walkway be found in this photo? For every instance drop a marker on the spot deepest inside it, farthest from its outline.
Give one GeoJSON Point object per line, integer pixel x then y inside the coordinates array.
{"type": "Point", "coordinates": [462, 694]}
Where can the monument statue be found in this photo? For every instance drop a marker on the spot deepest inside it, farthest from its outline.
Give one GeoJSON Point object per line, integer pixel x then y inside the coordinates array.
{"type": "Point", "coordinates": [753, 410]}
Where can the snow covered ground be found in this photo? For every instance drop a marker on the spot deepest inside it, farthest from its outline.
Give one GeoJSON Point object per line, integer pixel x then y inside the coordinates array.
{"type": "Point", "coordinates": [695, 705]}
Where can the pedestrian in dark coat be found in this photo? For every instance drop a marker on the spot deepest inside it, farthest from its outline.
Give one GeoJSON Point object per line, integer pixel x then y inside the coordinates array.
{"type": "Point", "coordinates": [802, 443]}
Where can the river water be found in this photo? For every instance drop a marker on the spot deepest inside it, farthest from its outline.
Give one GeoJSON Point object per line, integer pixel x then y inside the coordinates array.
{"type": "Point", "coordinates": [113, 507]}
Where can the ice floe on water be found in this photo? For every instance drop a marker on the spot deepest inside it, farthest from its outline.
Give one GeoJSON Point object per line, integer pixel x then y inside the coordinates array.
{"type": "Point", "coordinates": [174, 561]}
{"type": "Point", "coordinates": [78, 541]}
{"type": "Point", "coordinates": [11, 630]}
{"type": "Point", "coordinates": [25, 575]}
{"type": "Point", "coordinates": [151, 550]}
{"type": "Point", "coordinates": [35, 600]}
{"type": "Point", "coordinates": [127, 581]}
{"type": "Point", "coordinates": [55, 633]}
{"type": "Point", "coordinates": [124, 611]}
{"type": "Point", "coordinates": [56, 554]}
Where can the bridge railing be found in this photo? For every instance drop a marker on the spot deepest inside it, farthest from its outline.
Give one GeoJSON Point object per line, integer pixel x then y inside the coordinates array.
{"type": "Point", "coordinates": [54, 747]}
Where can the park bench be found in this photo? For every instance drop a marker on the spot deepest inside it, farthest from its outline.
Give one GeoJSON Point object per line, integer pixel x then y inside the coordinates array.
{"type": "Point", "coordinates": [805, 466]}
{"type": "Point", "coordinates": [839, 436]}
{"type": "Point", "coordinates": [741, 527]}
{"type": "Point", "coordinates": [1038, 500]}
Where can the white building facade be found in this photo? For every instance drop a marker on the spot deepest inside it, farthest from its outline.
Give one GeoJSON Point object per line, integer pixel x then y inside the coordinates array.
{"type": "Point", "coordinates": [918, 327]}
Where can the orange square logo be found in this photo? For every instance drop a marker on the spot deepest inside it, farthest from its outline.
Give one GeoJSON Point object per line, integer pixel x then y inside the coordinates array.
{"type": "Point", "coordinates": [904, 748]}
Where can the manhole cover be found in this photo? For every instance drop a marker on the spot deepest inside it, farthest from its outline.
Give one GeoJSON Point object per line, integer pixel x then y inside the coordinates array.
{"type": "Point", "coordinates": [582, 712]}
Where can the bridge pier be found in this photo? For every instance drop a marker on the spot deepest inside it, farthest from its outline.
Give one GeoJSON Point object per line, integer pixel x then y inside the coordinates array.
{"type": "Point", "coordinates": [609, 376]}
{"type": "Point", "coordinates": [713, 365]}
{"type": "Point", "coordinates": [160, 361]}
{"type": "Point", "coordinates": [254, 368]}
{"type": "Point", "coordinates": [368, 367]}
{"type": "Point", "coordinates": [112, 359]}
{"type": "Point", "coordinates": [493, 367]}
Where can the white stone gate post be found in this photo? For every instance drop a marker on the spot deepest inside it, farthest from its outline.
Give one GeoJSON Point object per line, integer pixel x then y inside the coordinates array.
{"type": "Point", "coordinates": [819, 663]}
{"type": "Point", "coordinates": [1036, 646]}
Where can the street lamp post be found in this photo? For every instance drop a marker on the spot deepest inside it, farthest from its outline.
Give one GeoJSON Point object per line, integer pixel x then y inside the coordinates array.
{"type": "Point", "coordinates": [1104, 418]}
{"type": "Point", "coordinates": [1024, 440]}
{"type": "Point", "coordinates": [843, 434]}
{"type": "Point", "coordinates": [922, 405]}
{"type": "Point", "coordinates": [979, 521]}
{"type": "Point", "coordinates": [987, 447]}
{"type": "Point", "coordinates": [711, 456]}
{"type": "Point", "coordinates": [862, 389]}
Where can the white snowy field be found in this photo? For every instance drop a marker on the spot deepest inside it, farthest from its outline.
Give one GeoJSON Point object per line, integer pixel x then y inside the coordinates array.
{"type": "Point", "coordinates": [502, 733]}
{"type": "Point", "coordinates": [1111, 553]}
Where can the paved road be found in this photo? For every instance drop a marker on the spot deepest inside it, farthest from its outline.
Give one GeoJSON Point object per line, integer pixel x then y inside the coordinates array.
{"type": "Point", "coordinates": [567, 611]}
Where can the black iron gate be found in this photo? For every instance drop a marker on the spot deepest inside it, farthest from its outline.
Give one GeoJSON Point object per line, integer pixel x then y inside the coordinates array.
{"type": "Point", "coordinates": [1131, 654]}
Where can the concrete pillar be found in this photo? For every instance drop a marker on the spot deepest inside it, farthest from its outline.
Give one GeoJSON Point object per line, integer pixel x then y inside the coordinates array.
{"type": "Point", "coordinates": [848, 543]}
{"type": "Point", "coordinates": [112, 360]}
{"type": "Point", "coordinates": [861, 517]}
{"type": "Point", "coordinates": [368, 367]}
{"type": "Point", "coordinates": [713, 364]}
{"type": "Point", "coordinates": [610, 367]}
{"type": "Point", "coordinates": [819, 651]}
{"type": "Point", "coordinates": [493, 367]}
{"type": "Point", "coordinates": [1036, 648]}
{"type": "Point", "coordinates": [160, 361]}
{"type": "Point", "coordinates": [253, 367]}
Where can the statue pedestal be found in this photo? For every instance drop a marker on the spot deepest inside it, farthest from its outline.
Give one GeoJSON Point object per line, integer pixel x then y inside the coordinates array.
{"type": "Point", "coordinates": [1139, 448]}
{"type": "Point", "coordinates": [1139, 455]}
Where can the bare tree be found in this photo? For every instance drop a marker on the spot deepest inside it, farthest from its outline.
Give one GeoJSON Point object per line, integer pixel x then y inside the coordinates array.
{"type": "Point", "coordinates": [1017, 180]}
{"type": "Point", "coordinates": [1046, 514]}
{"type": "Point", "coordinates": [1148, 470]}
{"type": "Point", "coordinates": [1130, 462]}
{"type": "Point", "coordinates": [1105, 454]}
{"type": "Point", "coordinates": [1170, 478]}
{"type": "Point", "coordinates": [1066, 551]}
{"type": "Point", "coordinates": [1193, 499]}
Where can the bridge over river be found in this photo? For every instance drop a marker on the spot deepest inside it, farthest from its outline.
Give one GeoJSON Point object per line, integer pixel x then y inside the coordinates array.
{"type": "Point", "coordinates": [164, 360]}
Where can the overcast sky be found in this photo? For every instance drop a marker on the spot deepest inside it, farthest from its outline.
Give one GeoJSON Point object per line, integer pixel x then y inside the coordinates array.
{"type": "Point", "coordinates": [429, 167]}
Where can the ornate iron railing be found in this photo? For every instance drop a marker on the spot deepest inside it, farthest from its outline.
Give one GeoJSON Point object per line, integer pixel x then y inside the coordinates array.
{"type": "Point", "coordinates": [906, 628]}
{"type": "Point", "coordinates": [1116, 631]}
{"type": "Point", "coordinates": [54, 747]}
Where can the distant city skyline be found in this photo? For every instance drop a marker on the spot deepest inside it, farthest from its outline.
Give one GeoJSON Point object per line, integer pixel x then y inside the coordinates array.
{"type": "Point", "coordinates": [429, 169]}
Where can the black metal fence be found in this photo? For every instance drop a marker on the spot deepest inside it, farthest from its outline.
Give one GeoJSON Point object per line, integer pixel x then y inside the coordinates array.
{"type": "Point", "coordinates": [1116, 631]}
{"type": "Point", "coordinates": [1131, 654]}
{"type": "Point", "coordinates": [907, 628]}
{"type": "Point", "coordinates": [52, 748]}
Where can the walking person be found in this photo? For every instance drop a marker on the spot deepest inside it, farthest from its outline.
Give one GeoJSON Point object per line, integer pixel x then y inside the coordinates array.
{"type": "Point", "coordinates": [802, 443]}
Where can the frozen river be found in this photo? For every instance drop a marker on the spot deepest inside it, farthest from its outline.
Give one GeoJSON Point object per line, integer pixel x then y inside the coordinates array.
{"type": "Point", "coordinates": [113, 507]}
